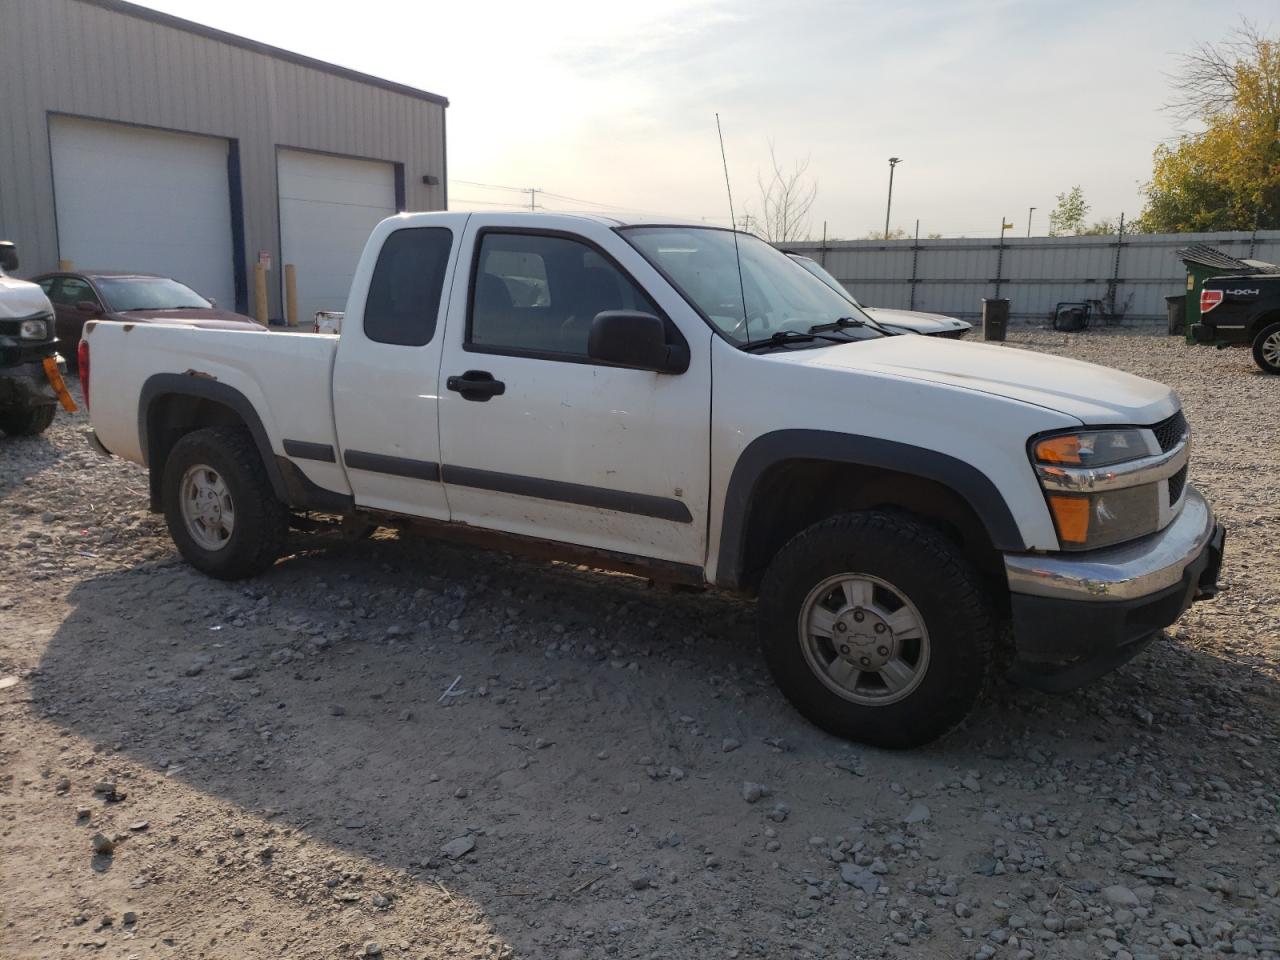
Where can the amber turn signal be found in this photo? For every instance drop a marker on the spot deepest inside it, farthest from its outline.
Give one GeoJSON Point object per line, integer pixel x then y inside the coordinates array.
{"type": "Point", "coordinates": [1061, 449]}
{"type": "Point", "coordinates": [1070, 517]}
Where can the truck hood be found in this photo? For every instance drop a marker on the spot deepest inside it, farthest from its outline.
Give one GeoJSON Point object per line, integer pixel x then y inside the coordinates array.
{"type": "Point", "coordinates": [915, 320]}
{"type": "Point", "coordinates": [20, 299]}
{"type": "Point", "coordinates": [1090, 393]}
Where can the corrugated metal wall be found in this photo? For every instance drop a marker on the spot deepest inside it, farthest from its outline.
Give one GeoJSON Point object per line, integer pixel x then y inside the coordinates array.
{"type": "Point", "coordinates": [94, 60]}
{"type": "Point", "coordinates": [952, 276]}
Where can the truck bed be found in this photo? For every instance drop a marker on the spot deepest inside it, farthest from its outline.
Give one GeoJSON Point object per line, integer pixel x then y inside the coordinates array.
{"type": "Point", "coordinates": [286, 376]}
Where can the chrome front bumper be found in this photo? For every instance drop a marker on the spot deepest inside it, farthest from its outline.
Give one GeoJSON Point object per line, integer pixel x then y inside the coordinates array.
{"type": "Point", "coordinates": [1124, 572]}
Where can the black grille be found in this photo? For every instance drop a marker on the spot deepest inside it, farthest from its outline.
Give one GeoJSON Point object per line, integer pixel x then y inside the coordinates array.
{"type": "Point", "coordinates": [952, 334]}
{"type": "Point", "coordinates": [1176, 483]}
{"type": "Point", "coordinates": [1170, 432]}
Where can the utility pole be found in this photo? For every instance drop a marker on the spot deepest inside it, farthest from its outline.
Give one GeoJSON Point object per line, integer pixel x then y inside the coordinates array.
{"type": "Point", "coordinates": [1029, 213]}
{"type": "Point", "coordinates": [893, 162]}
{"type": "Point", "coordinates": [1004, 225]}
{"type": "Point", "coordinates": [533, 196]}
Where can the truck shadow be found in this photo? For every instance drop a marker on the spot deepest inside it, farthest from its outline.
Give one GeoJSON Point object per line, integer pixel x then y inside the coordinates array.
{"type": "Point", "coordinates": [386, 698]}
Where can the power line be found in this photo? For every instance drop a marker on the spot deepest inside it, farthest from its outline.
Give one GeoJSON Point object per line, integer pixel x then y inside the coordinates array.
{"type": "Point", "coordinates": [490, 186]}
{"type": "Point", "coordinates": [487, 203]}
{"type": "Point", "coordinates": [536, 204]}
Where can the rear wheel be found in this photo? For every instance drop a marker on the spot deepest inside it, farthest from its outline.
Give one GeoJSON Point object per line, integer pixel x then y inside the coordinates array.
{"type": "Point", "coordinates": [219, 505]}
{"type": "Point", "coordinates": [1266, 348]}
{"type": "Point", "coordinates": [27, 421]}
{"type": "Point", "coordinates": [876, 628]}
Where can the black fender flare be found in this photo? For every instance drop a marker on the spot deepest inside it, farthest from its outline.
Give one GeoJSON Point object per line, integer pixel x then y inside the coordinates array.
{"type": "Point", "coordinates": [288, 482]}
{"type": "Point", "coordinates": [205, 388]}
{"type": "Point", "coordinates": [770, 449]}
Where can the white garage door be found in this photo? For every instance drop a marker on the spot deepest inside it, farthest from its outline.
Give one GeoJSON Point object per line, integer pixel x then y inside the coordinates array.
{"type": "Point", "coordinates": [328, 205]}
{"type": "Point", "coordinates": [128, 198]}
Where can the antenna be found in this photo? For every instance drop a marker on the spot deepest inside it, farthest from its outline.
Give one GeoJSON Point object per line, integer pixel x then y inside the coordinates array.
{"type": "Point", "coordinates": [733, 225]}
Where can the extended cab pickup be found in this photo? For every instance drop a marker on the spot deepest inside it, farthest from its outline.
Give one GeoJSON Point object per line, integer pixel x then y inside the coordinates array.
{"type": "Point", "coordinates": [688, 404]}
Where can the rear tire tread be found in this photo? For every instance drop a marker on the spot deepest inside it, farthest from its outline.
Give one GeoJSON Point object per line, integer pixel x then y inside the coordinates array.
{"type": "Point", "coordinates": [27, 421]}
{"type": "Point", "coordinates": [262, 521]}
{"type": "Point", "coordinates": [1264, 334]}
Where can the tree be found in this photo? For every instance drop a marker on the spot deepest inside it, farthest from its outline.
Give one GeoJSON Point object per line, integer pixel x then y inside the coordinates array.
{"type": "Point", "coordinates": [1067, 217]}
{"type": "Point", "coordinates": [786, 197]}
{"type": "Point", "coordinates": [1228, 176]}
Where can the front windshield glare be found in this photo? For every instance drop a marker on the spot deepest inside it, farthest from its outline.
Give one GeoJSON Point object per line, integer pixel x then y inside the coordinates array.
{"type": "Point", "coordinates": [781, 296]}
{"type": "Point", "coordinates": [149, 293]}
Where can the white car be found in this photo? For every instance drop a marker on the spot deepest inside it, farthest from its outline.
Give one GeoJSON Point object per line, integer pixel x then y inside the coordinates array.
{"type": "Point", "coordinates": [681, 402]}
{"type": "Point", "coordinates": [929, 324]}
{"type": "Point", "coordinates": [31, 371]}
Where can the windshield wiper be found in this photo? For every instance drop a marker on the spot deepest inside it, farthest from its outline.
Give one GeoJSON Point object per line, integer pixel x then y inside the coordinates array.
{"type": "Point", "coordinates": [842, 323]}
{"type": "Point", "coordinates": [792, 336]}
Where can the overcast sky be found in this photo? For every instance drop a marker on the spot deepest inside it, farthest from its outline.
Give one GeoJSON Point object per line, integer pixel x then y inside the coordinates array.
{"type": "Point", "coordinates": [994, 106]}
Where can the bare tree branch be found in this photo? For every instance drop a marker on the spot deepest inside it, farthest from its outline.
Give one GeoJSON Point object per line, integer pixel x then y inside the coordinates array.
{"type": "Point", "coordinates": [1208, 79]}
{"type": "Point", "coordinates": [786, 196]}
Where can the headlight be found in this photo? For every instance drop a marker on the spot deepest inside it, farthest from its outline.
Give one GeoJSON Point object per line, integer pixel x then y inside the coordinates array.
{"type": "Point", "coordinates": [34, 330]}
{"type": "Point", "coordinates": [1098, 448]}
{"type": "Point", "coordinates": [1104, 486]}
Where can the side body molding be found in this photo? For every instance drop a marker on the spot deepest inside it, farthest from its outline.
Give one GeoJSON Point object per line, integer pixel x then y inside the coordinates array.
{"type": "Point", "coordinates": [289, 484]}
{"type": "Point", "coordinates": [771, 449]}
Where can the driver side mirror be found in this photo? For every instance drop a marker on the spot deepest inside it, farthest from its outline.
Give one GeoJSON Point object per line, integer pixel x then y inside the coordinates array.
{"type": "Point", "coordinates": [8, 255]}
{"type": "Point", "coordinates": [626, 338]}
{"type": "Point", "coordinates": [86, 306]}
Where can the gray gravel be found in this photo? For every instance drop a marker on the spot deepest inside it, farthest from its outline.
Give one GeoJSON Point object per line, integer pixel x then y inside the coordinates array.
{"type": "Point", "coordinates": [404, 749]}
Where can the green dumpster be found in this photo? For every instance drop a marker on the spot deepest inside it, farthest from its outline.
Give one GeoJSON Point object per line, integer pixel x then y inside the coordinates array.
{"type": "Point", "coordinates": [1202, 263]}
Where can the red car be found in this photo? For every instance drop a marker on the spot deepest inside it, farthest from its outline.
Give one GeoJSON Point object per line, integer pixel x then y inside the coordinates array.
{"type": "Point", "coordinates": [137, 297]}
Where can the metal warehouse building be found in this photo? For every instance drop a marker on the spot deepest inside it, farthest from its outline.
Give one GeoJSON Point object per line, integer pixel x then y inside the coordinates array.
{"type": "Point", "coordinates": [134, 140]}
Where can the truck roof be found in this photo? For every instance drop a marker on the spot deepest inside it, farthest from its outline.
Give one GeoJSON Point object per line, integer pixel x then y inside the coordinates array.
{"type": "Point", "coordinates": [611, 220]}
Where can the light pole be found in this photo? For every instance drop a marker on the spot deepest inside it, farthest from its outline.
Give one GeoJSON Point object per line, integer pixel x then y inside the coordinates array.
{"type": "Point", "coordinates": [893, 162]}
{"type": "Point", "coordinates": [1029, 213]}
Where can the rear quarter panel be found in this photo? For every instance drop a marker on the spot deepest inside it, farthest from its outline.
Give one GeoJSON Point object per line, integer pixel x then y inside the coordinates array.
{"type": "Point", "coordinates": [285, 376]}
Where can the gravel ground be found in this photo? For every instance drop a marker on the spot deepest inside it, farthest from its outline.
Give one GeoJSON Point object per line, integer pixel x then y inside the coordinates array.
{"type": "Point", "coordinates": [411, 750]}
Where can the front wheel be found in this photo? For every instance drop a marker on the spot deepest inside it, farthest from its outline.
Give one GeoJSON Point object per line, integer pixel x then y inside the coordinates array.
{"type": "Point", "coordinates": [877, 628]}
{"type": "Point", "coordinates": [1266, 348]}
{"type": "Point", "coordinates": [27, 421]}
{"type": "Point", "coordinates": [219, 505]}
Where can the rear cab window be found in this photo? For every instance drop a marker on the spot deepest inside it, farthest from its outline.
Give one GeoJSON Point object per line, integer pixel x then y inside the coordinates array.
{"type": "Point", "coordinates": [403, 303]}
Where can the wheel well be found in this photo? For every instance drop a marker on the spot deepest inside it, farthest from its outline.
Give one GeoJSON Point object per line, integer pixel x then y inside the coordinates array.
{"type": "Point", "coordinates": [792, 496]}
{"type": "Point", "coordinates": [1262, 322]}
{"type": "Point", "coordinates": [169, 419]}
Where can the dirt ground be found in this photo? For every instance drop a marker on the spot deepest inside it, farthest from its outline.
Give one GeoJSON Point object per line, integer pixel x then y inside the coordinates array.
{"type": "Point", "coordinates": [411, 750]}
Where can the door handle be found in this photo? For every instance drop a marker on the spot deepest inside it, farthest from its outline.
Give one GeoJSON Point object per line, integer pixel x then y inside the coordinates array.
{"type": "Point", "coordinates": [476, 385]}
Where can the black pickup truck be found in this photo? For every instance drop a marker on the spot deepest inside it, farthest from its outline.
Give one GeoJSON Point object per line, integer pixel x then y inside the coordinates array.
{"type": "Point", "coordinates": [1242, 309]}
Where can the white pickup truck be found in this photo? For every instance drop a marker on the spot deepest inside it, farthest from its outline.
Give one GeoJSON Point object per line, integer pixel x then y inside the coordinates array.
{"type": "Point", "coordinates": [688, 404]}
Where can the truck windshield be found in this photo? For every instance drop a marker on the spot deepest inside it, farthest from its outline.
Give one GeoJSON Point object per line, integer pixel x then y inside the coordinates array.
{"type": "Point", "coordinates": [780, 295]}
{"type": "Point", "coordinates": [149, 293]}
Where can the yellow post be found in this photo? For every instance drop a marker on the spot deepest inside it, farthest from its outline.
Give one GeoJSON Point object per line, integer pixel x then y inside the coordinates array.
{"type": "Point", "coordinates": [291, 294]}
{"type": "Point", "coordinates": [65, 266]}
{"type": "Point", "coordinates": [260, 293]}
